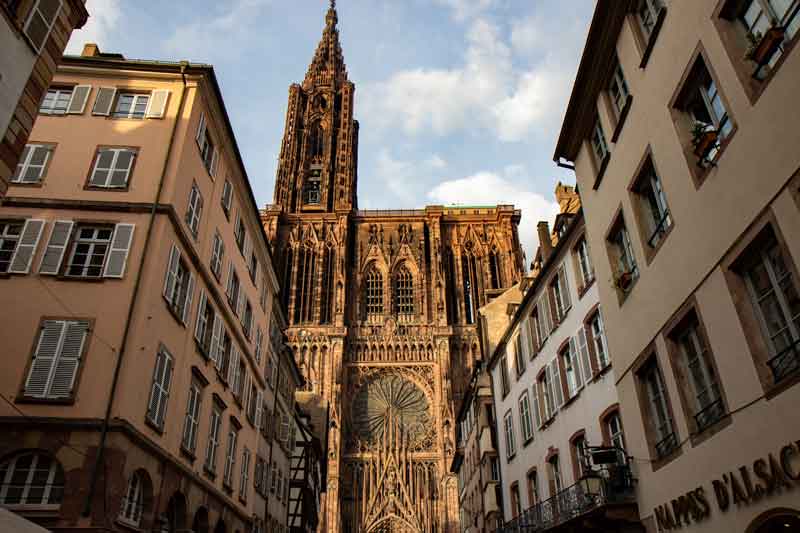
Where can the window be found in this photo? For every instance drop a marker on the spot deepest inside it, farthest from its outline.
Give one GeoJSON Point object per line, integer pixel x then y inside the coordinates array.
{"type": "Point", "coordinates": [616, 437]}
{"type": "Point", "coordinates": [599, 144]}
{"type": "Point", "coordinates": [208, 152]}
{"type": "Point", "coordinates": [585, 262]}
{"type": "Point", "coordinates": [253, 402]}
{"type": "Point", "coordinates": [516, 504]}
{"type": "Point", "coordinates": [40, 22]}
{"type": "Point", "coordinates": [247, 320]}
{"type": "Point", "coordinates": [769, 26]}
{"type": "Point", "coordinates": [32, 163]}
{"type": "Point", "coordinates": [470, 270]}
{"type": "Point", "coordinates": [215, 424]}
{"type": "Point", "coordinates": [31, 479]}
{"type": "Point", "coordinates": [495, 272]}
{"type": "Point", "coordinates": [230, 457]}
{"type": "Point", "coordinates": [705, 403]}
{"type": "Point", "coordinates": [204, 327]}
{"type": "Point", "coordinates": [274, 477]}
{"type": "Point", "coordinates": [525, 422]}
{"type": "Point", "coordinates": [647, 14]}
{"type": "Point", "coordinates": [89, 249]}
{"type": "Point", "coordinates": [652, 205]}
{"type": "Point", "coordinates": [252, 266]}
{"type": "Point", "coordinates": [233, 288]}
{"type": "Point", "coordinates": [56, 101]}
{"type": "Point", "coordinates": [571, 366]}
{"type": "Point", "coordinates": [56, 360]}
{"type": "Point", "coordinates": [133, 503]}
{"type": "Point", "coordinates": [159, 391]}
{"type": "Point", "coordinates": [259, 344]}
{"type": "Point", "coordinates": [374, 292]}
{"type": "Point", "coordinates": [774, 295]}
{"type": "Point", "coordinates": [599, 340]}
{"type": "Point", "coordinates": [404, 292]}
{"type": "Point", "coordinates": [10, 233]}
{"type": "Point", "coordinates": [559, 288]}
{"type": "Point", "coordinates": [544, 323]}
{"type": "Point", "coordinates": [240, 233]}
{"type": "Point", "coordinates": [494, 465]}
{"type": "Point", "coordinates": [658, 413]}
{"type": "Point", "coordinates": [554, 470]}
{"type": "Point", "coordinates": [131, 105]}
{"type": "Point", "coordinates": [508, 425]}
{"type": "Point", "coordinates": [519, 355]}
{"type": "Point", "coordinates": [178, 286]}
{"type": "Point", "coordinates": [623, 259]}
{"type": "Point", "coordinates": [194, 209]}
{"type": "Point", "coordinates": [533, 488]}
{"type": "Point", "coordinates": [312, 193]}
{"type": "Point", "coordinates": [618, 89]}
{"type": "Point", "coordinates": [192, 420]}
{"type": "Point", "coordinates": [244, 475]}
{"type": "Point", "coordinates": [238, 378]}
{"type": "Point", "coordinates": [217, 255]}
{"type": "Point", "coordinates": [112, 168]}
{"type": "Point", "coordinates": [227, 198]}
{"type": "Point", "coordinates": [505, 383]}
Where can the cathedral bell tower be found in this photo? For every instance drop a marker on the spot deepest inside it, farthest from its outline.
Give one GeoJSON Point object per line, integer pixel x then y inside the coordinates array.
{"type": "Point", "coordinates": [317, 171]}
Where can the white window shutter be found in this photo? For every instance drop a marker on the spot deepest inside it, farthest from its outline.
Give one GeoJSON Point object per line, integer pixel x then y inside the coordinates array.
{"type": "Point", "coordinates": [159, 395]}
{"type": "Point", "coordinates": [565, 296]}
{"type": "Point", "coordinates": [557, 388]}
{"type": "Point", "coordinates": [68, 360]}
{"type": "Point", "coordinates": [586, 360]}
{"type": "Point", "coordinates": [574, 358]}
{"type": "Point", "coordinates": [172, 273]}
{"type": "Point", "coordinates": [201, 305]}
{"type": "Point", "coordinates": [77, 103]}
{"type": "Point", "coordinates": [259, 408]}
{"type": "Point", "coordinates": [233, 367]}
{"type": "Point", "coordinates": [240, 305]}
{"type": "Point", "coordinates": [26, 247]}
{"type": "Point", "coordinates": [216, 340]}
{"type": "Point", "coordinates": [214, 162]}
{"type": "Point", "coordinates": [56, 247]}
{"type": "Point", "coordinates": [44, 358]}
{"type": "Point", "coordinates": [118, 254]}
{"type": "Point", "coordinates": [201, 130]}
{"type": "Point", "coordinates": [229, 288]}
{"type": "Point", "coordinates": [157, 105]}
{"type": "Point", "coordinates": [104, 101]}
{"type": "Point", "coordinates": [187, 306]}
{"type": "Point", "coordinates": [537, 414]}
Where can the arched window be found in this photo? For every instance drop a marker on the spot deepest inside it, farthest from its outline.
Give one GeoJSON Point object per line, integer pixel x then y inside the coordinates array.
{"type": "Point", "coordinates": [450, 288]}
{"type": "Point", "coordinates": [31, 478]}
{"type": "Point", "coordinates": [326, 301]}
{"type": "Point", "coordinates": [404, 292]}
{"type": "Point", "coordinates": [469, 271]}
{"type": "Point", "coordinates": [286, 287]}
{"type": "Point", "coordinates": [494, 269]}
{"type": "Point", "coordinates": [304, 286]}
{"type": "Point", "coordinates": [317, 140]}
{"type": "Point", "coordinates": [133, 503]}
{"type": "Point", "coordinates": [374, 292]}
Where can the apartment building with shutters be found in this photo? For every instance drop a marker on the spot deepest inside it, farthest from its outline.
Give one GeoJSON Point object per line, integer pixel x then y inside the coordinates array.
{"type": "Point", "coordinates": [33, 35]}
{"type": "Point", "coordinates": [682, 128]}
{"type": "Point", "coordinates": [142, 344]}
{"type": "Point", "coordinates": [554, 394]}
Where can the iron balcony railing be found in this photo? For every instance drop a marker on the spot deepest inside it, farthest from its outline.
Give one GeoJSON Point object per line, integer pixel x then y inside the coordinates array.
{"type": "Point", "coordinates": [786, 362]}
{"type": "Point", "coordinates": [612, 486]}
{"type": "Point", "coordinates": [666, 445]}
{"type": "Point", "coordinates": [661, 229]}
{"type": "Point", "coordinates": [710, 414]}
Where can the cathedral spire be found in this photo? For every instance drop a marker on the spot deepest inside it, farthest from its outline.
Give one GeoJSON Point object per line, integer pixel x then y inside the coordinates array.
{"type": "Point", "coordinates": [327, 68]}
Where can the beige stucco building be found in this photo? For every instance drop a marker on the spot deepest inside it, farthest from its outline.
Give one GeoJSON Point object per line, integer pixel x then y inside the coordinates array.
{"type": "Point", "coordinates": [33, 35]}
{"type": "Point", "coordinates": [683, 132]}
{"type": "Point", "coordinates": [146, 377]}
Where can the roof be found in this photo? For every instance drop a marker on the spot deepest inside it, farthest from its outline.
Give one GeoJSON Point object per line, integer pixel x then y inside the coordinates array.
{"type": "Point", "coordinates": [592, 73]}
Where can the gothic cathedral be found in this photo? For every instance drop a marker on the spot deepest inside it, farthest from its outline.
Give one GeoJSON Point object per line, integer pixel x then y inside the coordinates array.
{"type": "Point", "coordinates": [383, 313]}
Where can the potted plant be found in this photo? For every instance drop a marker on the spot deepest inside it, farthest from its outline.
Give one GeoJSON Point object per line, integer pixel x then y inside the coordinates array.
{"type": "Point", "coordinates": [624, 280]}
{"type": "Point", "coordinates": [704, 139]}
{"type": "Point", "coordinates": [763, 47]}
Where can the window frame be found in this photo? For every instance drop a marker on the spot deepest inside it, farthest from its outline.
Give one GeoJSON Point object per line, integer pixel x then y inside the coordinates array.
{"type": "Point", "coordinates": [60, 92]}
{"type": "Point", "coordinates": [55, 472]}
{"type": "Point", "coordinates": [510, 437]}
{"type": "Point", "coordinates": [663, 444]}
{"type": "Point", "coordinates": [651, 209]}
{"type": "Point", "coordinates": [158, 419]}
{"type": "Point", "coordinates": [50, 25]}
{"type": "Point", "coordinates": [136, 97]}
{"type": "Point", "coordinates": [117, 150]}
{"type": "Point", "coordinates": [194, 210]}
{"type": "Point", "coordinates": [75, 240]}
{"type": "Point", "coordinates": [5, 224]}
{"type": "Point", "coordinates": [525, 420]}
{"type": "Point", "coordinates": [24, 164]}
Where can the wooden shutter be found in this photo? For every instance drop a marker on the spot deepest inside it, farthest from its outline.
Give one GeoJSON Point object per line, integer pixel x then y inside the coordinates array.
{"type": "Point", "coordinates": [172, 273]}
{"type": "Point", "coordinates": [157, 104]}
{"type": "Point", "coordinates": [558, 390]}
{"type": "Point", "coordinates": [26, 247]}
{"type": "Point", "coordinates": [216, 341]}
{"type": "Point", "coordinates": [240, 305]}
{"type": "Point", "coordinates": [77, 103]}
{"type": "Point", "coordinates": [537, 414]}
{"type": "Point", "coordinates": [159, 394]}
{"type": "Point", "coordinates": [120, 247]}
{"type": "Point", "coordinates": [104, 101]}
{"type": "Point", "coordinates": [229, 287]}
{"type": "Point", "coordinates": [214, 162]}
{"type": "Point", "coordinates": [187, 305]}
{"type": "Point", "coordinates": [44, 358]}
{"type": "Point", "coordinates": [583, 348]}
{"type": "Point", "coordinates": [233, 367]}
{"type": "Point", "coordinates": [574, 357]}
{"type": "Point", "coordinates": [259, 408]}
{"type": "Point", "coordinates": [201, 130]}
{"type": "Point", "coordinates": [68, 360]}
{"type": "Point", "coordinates": [56, 247]}
{"type": "Point", "coordinates": [564, 281]}
{"type": "Point", "coordinates": [201, 305]}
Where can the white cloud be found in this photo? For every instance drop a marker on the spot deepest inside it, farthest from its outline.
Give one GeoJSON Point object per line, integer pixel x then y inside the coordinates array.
{"type": "Point", "coordinates": [404, 178]}
{"type": "Point", "coordinates": [464, 9]}
{"type": "Point", "coordinates": [490, 188]}
{"type": "Point", "coordinates": [103, 18]}
{"type": "Point", "coordinates": [487, 92]}
{"type": "Point", "coordinates": [216, 36]}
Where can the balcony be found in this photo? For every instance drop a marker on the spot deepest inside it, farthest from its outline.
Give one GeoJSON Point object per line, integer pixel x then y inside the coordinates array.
{"type": "Point", "coordinates": [586, 499]}
{"type": "Point", "coordinates": [487, 441]}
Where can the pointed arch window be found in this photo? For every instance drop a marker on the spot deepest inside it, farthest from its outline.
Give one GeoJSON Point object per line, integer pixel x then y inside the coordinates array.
{"type": "Point", "coordinates": [317, 140]}
{"type": "Point", "coordinates": [469, 272]}
{"type": "Point", "coordinates": [404, 292]}
{"type": "Point", "coordinates": [374, 292]}
{"type": "Point", "coordinates": [450, 289]}
{"type": "Point", "coordinates": [305, 284]}
{"type": "Point", "coordinates": [132, 507]}
{"type": "Point", "coordinates": [286, 286]}
{"type": "Point", "coordinates": [31, 478]}
{"type": "Point", "coordinates": [328, 271]}
{"type": "Point", "coordinates": [495, 270]}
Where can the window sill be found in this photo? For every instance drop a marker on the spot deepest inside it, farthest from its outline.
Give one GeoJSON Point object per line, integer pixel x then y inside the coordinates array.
{"type": "Point", "coordinates": [651, 251]}
{"type": "Point", "coordinates": [623, 295]}
{"type": "Point", "coordinates": [126, 525]}
{"type": "Point", "coordinates": [154, 426]}
{"type": "Point", "coordinates": [572, 399]}
{"type": "Point", "coordinates": [602, 171]}
{"type": "Point", "coordinates": [88, 187]}
{"type": "Point", "coordinates": [44, 401]}
{"type": "Point", "coordinates": [651, 42]}
{"type": "Point", "coordinates": [201, 350]}
{"type": "Point", "coordinates": [623, 116]}
{"type": "Point", "coordinates": [84, 279]}
{"type": "Point", "coordinates": [600, 373]}
{"type": "Point", "coordinates": [226, 212]}
{"type": "Point", "coordinates": [188, 454]}
{"type": "Point", "coordinates": [174, 313]}
{"type": "Point", "coordinates": [778, 388]}
{"type": "Point", "coordinates": [210, 474]}
{"type": "Point", "coordinates": [699, 437]}
{"type": "Point", "coordinates": [701, 173]}
{"type": "Point", "coordinates": [585, 288]}
{"type": "Point", "coordinates": [28, 184]}
{"type": "Point", "coordinates": [525, 443]}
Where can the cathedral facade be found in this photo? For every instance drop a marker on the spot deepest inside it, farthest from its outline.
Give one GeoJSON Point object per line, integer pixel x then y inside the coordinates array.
{"type": "Point", "coordinates": [383, 313]}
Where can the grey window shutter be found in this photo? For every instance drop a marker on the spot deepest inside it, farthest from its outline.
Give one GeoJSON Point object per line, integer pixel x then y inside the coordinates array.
{"type": "Point", "coordinates": [120, 247]}
{"type": "Point", "coordinates": [586, 359]}
{"type": "Point", "coordinates": [56, 246]}
{"type": "Point", "coordinates": [68, 360]}
{"type": "Point", "coordinates": [157, 105]}
{"type": "Point", "coordinates": [155, 392]}
{"type": "Point", "coordinates": [26, 247]}
{"type": "Point", "coordinates": [172, 272]}
{"type": "Point", "coordinates": [240, 306]}
{"type": "Point", "coordinates": [574, 357]}
{"type": "Point", "coordinates": [201, 130]}
{"type": "Point", "coordinates": [233, 367]}
{"type": "Point", "coordinates": [567, 300]}
{"type": "Point", "coordinates": [200, 316]}
{"type": "Point", "coordinates": [216, 340]}
{"type": "Point", "coordinates": [77, 103]}
{"type": "Point", "coordinates": [188, 303]}
{"type": "Point", "coordinates": [104, 101]}
{"type": "Point", "coordinates": [259, 409]}
{"type": "Point", "coordinates": [44, 358]}
{"type": "Point", "coordinates": [537, 414]}
{"type": "Point", "coordinates": [214, 162]}
{"type": "Point", "coordinates": [557, 388]}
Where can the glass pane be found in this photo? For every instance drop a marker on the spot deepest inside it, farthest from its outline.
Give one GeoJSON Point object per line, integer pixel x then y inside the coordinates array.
{"type": "Point", "coordinates": [119, 178]}
{"type": "Point", "coordinates": [31, 174]}
{"type": "Point", "coordinates": [780, 7]}
{"type": "Point", "coordinates": [141, 106]}
{"type": "Point", "coordinates": [39, 155]}
{"type": "Point", "coordinates": [124, 105]}
{"type": "Point", "coordinates": [772, 313]}
{"type": "Point", "coordinates": [105, 159]}
{"type": "Point", "coordinates": [49, 8]}
{"type": "Point", "coordinates": [760, 280]}
{"type": "Point", "coordinates": [37, 30]}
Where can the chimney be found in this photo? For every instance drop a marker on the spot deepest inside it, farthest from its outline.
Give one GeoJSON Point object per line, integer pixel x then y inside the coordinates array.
{"type": "Point", "coordinates": [568, 200]}
{"type": "Point", "coordinates": [545, 242]}
{"type": "Point", "coordinates": [90, 50]}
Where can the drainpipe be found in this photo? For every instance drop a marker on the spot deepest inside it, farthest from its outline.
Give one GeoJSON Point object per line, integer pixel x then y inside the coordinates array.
{"type": "Point", "coordinates": [115, 380]}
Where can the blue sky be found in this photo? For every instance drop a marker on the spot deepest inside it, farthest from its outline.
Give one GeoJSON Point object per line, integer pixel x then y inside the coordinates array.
{"type": "Point", "coordinates": [460, 101]}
